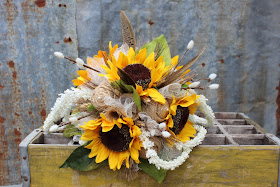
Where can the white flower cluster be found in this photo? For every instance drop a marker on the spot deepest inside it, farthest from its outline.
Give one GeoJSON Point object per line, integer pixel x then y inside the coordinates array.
{"type": "Point", "coordinates": [153, 127]}
{"type": "Point", "coordinates": [172, 164]}
{"type": "Point", "coordinates": [207, 111]}
{"type": "Point", "coordinates": [64, 104]}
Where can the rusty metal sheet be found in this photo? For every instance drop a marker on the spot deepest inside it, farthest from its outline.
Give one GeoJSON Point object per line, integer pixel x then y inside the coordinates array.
{"type": "Point", "coordinates": [30, 76]}
{"type": "Point", "coordinates": [242, 39]}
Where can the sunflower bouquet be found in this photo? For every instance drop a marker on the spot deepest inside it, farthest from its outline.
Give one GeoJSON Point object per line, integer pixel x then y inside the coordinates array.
{"type": "Point", "coordinates": [132, 109]}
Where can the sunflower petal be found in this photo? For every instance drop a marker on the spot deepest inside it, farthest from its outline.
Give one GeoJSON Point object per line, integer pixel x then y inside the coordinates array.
{"type": "Point", "coordinates": [134, 153]}
{"type": "Point", "coordinates": [131, 56]}
{"type": "Point", "coordinates": [83, 74]}
{"type": "Point", "coordinates": [103, 154]}
{"type": "Point", "coordinates": [155, 95]}
{"type": "Point", "coordinates": [187, 132]}
{"type": "Point", "coordinates": [113, 160]}
{"type": "Point", "coordinates": [89, 135]}
{"type": "Point", "coordinates": [77, 82]}
{"type": "Point", "coordinates": [124, 155]}
{"type": "Point", "coordinates": [149, 62]}
{"type": "Point", "coordinates": [141, 56]}
{"type": "Point", "coordinates": [137, 144]}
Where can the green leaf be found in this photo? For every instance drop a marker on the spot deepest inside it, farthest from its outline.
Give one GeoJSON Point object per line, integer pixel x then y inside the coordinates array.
{"type": "Point", "coordinates": [151, 170]}
{"type": "Point", "coordinates": [71, 130]}
{"type": "Point", "coordinates": [150, 47]}
{"type": "Point", "coordinates": [91, 108]}
{"type": "Point", "coordinates": [75, 110]}
{"type": "Point", "coordinates": [126, 88]}
{"type": "Point", "coordinates": [184, 86]}
{"type": "Point", "coordinates": [79, 160]}
{"type": "Point", "coordinates": [131, 89]}
{"type": "Point", "coordinates": [116, 85]}
{"type": "Point", "coordinates": [137, 99]}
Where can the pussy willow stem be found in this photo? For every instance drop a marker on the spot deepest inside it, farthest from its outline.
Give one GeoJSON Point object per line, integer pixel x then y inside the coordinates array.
{"type": "Point", "coordinates": [85, 65]}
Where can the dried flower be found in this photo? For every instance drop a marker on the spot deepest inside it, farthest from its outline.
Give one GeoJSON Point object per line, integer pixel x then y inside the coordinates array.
{"type": "Point", "coordinates": [190, 45]}
{"type": "Point", "coordinates": [58, 54]}
{"type": "Point", "coordinates": [82, 142]}
{"type": "Point", "coordinates": [162, 126]}
{"type": "Point", "coordinates": [165, 134]}
{"type": "Point", "coordinates": [80, 63]}
{"type": "Point", "coordinates": [194, 84]}
{"type": "Point", "coordinates": [213, 86]}
{"type": "Point", "coordinates": [73, 119]}
{"type": "Point", "coordinates": [212, 76]}
{"type": "Point", "coordinates": [54, 128]}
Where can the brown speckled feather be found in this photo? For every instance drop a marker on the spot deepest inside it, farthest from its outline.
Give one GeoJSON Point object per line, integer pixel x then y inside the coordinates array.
{"type": "Point", "coordinates": [127, 31]}
{"type": "Point", "coordinates": [177, 74]}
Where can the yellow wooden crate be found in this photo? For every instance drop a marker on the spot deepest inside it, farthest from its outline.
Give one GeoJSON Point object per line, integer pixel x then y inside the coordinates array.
{"type": "Point", "coordinates": [235, 152]}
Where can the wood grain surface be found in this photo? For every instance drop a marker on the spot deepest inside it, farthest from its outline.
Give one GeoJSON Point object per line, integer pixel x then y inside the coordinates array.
{"type": "Point", "coordinates": [207, 166]}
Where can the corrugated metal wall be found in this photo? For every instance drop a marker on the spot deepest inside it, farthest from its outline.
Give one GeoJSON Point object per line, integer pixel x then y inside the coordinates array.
{"type": "Point", "coordinates": [242, 38]}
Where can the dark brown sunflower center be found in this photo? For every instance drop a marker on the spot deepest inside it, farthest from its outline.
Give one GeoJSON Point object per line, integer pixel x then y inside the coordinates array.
{"type": "Point", "coordinates": [140, 74]}
{"type": "Point", "coordinates": [180, 119]}
{"type": "Point", "coordinates": [117, 139]}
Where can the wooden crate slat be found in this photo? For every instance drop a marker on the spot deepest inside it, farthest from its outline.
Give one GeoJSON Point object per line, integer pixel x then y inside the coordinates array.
{"type": "Point", "coordinates": [237, 152]}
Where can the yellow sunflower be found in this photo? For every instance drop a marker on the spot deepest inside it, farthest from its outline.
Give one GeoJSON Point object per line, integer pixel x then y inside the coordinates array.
{"type": "Point", "coordinates": [177, 119]}
{"type": "Point", "coordinates": [116, 141]}
{"type": "Point", "coordinates": [144, 70]}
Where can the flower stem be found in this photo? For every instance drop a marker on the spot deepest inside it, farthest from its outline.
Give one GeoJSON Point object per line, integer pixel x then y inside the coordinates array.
{"type": "Point", "coordinates": [85, 65]}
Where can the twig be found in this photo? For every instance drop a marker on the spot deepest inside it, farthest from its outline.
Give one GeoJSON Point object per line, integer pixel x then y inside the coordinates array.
{"type": "Point", "coordinates": [85, 65]}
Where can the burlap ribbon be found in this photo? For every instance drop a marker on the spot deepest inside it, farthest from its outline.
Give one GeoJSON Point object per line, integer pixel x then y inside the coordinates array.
{"type": "Point", "coordinates": [155, 110]}
{"type": "Point", "coordinates": [99, 94]}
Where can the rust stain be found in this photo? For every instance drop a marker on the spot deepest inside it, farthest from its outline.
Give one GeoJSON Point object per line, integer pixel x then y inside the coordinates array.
{"type": "Point", "coordinates": [203, 64]}
{"type": "Point", "coordinates": [30, 112]}
{"type": "Point", "coordinates": [11, 64]}
{"type": "Point", "coordinates": [43, 113]}
{"type": "Point", "coordinates": [151, 22]}
{"type": "Point", "coordinates": [67, 40]}
{"type": "Point", "coordinates": [11, 13]}
{"type": "Point", "coordinates": [17, 136]}
{"type": "Point", "coordinates": [60, 5]}
{"type": "Point", "coordinates": [14, 75]}
{"type": "Point", "coordinates": [40, 3]}
{"type": "Point", "coordinates": [222, 61]}
{"type": "Point", "coordinates": [16, 114]}
{"type": "Point", "coordinates": [57, 42]}
{"type": "Point", "coordinates": [17, 132]}
{"type": "Point", "coordinates": [278, 110]}
{"type": "Point", "coordinates": [2, 119]}
{"type": "Point", "coordinates": [1, 87]}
